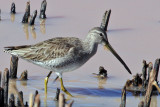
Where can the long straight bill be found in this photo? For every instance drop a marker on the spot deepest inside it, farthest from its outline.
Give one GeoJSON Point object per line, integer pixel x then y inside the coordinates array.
{"type": "Point", "coordinates": [117, 56]}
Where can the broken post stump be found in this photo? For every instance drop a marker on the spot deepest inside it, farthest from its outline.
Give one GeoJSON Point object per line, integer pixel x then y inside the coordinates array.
{"type": "Point", "coordinates": [57, 95]}
{"type": "Point", "coordinates": [2, 97]}
{"type": "Point", "coordinates": [13, 8]}
{"type": "Point", "coordinates": [32, 18]}
{"type": "Point", "coordinates": [5, 83]}
{"type": "Point", "coordinates": [24, 75]}
{"type": "Point", "coordinates": [144, 73]}
{"type": "Point", "coordinates": [123, 97]}
{"type": "Point", "coordinates": [152, 82]}
{"type": "Point", "coordinates": [12, 101]}
{"type": "Point", "coordinates": [27, 13]}
{"type": "Point", "coordinates": [13, 67]}
{"type": "Point", "coordinates": [43, 9]}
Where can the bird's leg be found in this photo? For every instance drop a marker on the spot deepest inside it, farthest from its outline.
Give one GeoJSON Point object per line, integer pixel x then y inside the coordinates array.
{"type": "Point", "coordinates": [63, 88]}
{"type": "Point", "coordinates": [46, 81]}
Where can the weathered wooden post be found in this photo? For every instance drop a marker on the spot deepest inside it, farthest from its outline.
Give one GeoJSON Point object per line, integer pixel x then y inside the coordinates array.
{"type": "Point", "coordinates": [123, 97]}
{"type": "Point", "coordinates": [37, 101]}
{"type": "Point", "coordinates": [20, 99]}
{"type": "Point", "coordinates": [13, 67]}
{"type": "Point", "coordinates": [27, 13]}
{"type": "Point", "coordinates": [152, 82]}
{"type": "Point", "coordinates": [5, 83]}
{"type": "Point", "coordinates": [2, 97]}
{"type": "Point", "coordinates": [150, 67]}
{"type": "Point", "coordinates": [13, 8]}
{"type": "Point", "coordinates": [57, 95]}
{"type": "Point", "coordinates": [144, 73]}
{"type": "Point", "coordinates": [43, 9]}
{"type": "Point", "coordinates": [0, 77]}
{"type": "Point", "coordinates": [34, 98]}
{"type": "Point", "coordinates": [156, 67]}
{"type": "Point", "coordinates": [12, 101]}
{"type": "Point", "coordinates": [32, 18]}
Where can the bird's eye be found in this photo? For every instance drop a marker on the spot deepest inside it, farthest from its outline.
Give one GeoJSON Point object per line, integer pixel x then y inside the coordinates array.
{"type": "Point", "coordinates": [101, 34]}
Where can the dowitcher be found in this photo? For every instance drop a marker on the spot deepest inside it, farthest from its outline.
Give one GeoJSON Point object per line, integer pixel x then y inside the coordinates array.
{"type": "Point", "coordinates": [63, 54]}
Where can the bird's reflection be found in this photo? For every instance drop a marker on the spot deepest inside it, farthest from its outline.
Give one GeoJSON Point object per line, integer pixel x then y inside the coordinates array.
{"type": "Point", "coordinates": [42, 26]}
{"type": "Point", "coordinates": [101, 82]}
{"type": "Point", "coordinates": [12, 17]}
{"type": "Point", "coordinates": [25, 29]}
{"type": "Point", "coordinates": [33, 33]}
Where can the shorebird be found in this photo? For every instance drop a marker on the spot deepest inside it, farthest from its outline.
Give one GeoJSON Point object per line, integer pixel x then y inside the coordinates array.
{"type": "Point", "coordinates": [63, 54]}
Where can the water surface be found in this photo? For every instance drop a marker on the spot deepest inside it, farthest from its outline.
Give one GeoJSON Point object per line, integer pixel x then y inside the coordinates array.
{"type": "Point", "coordinates": [133, 32]}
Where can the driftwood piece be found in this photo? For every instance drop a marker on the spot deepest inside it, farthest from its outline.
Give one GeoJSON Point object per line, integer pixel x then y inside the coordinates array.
{"type": "Point", "coordinates": [13, 8]}
{"type": "Point", "coordinates": [123, 97]}
{"type": "Point", "coordinates": [43, 9]}
{"type": "Point", "coordinates": [27, 13]}
{"type": "Point", "coordinates": [152, 82]}
{"type": "Point", "coordinates": [5, 83]}
{"type": "Point", "coordinates": [13, 67]}
{"type": "Point", "coordinates": [32, 18]}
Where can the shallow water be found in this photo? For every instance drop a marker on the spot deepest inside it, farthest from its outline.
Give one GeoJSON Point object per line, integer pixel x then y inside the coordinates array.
{"type": "Point", "coordinates": [133, 32]}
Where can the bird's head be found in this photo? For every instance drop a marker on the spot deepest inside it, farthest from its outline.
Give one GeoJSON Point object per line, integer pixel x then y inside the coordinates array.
{"type": "Point", "coordinates": [100, 36]}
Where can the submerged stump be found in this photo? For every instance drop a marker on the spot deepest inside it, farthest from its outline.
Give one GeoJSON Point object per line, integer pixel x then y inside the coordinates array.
{"type": "Point", "coordinates": [24, 75]}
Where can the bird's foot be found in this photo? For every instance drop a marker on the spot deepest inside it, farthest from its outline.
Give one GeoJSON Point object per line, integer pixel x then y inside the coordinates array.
{"type": "Point", "coordinates": [65, 91]}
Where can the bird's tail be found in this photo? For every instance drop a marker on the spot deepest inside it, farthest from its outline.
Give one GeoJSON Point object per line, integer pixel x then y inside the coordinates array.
{"type": "Point", "coordinates": [15, 50]}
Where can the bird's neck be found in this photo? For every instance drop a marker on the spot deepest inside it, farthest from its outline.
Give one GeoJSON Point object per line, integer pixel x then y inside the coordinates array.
{"type": "Point", "coordinates": [90, 45]}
